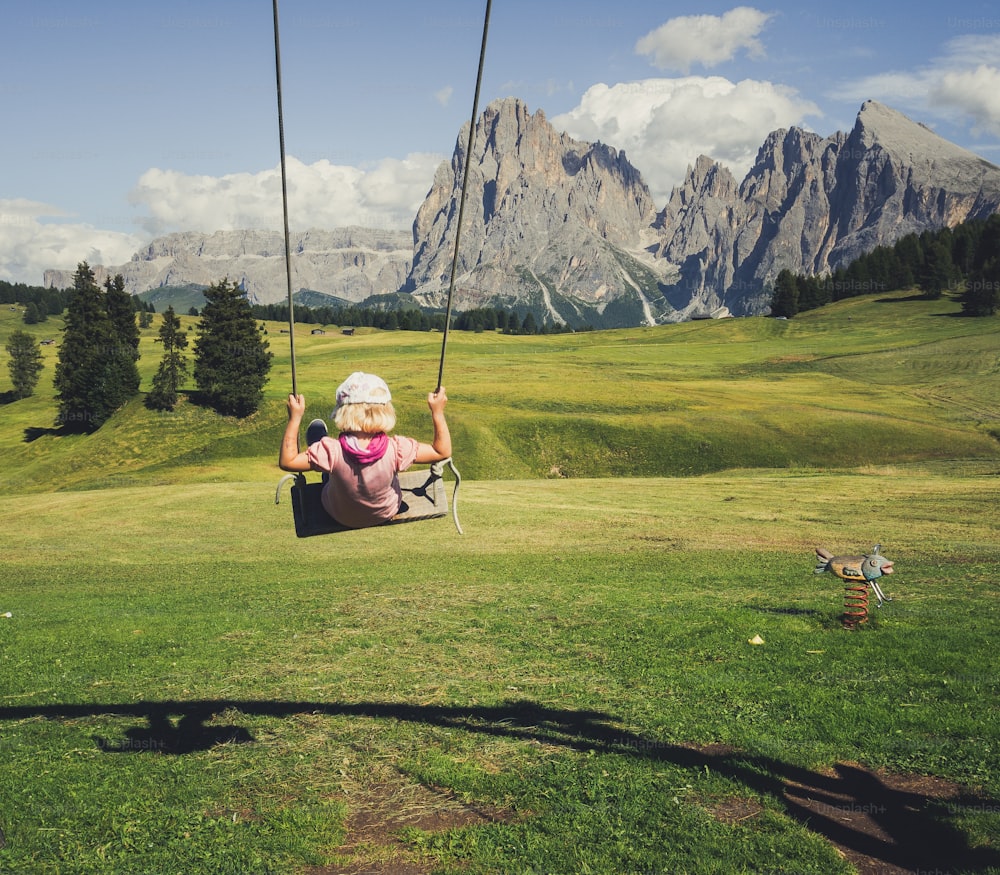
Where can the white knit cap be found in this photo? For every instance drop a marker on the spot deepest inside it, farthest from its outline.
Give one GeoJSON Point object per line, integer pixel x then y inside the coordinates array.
{"type": "Point", "coordinates": [362, 388]}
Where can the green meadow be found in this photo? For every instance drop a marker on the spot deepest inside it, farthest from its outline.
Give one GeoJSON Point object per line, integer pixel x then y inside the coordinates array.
{"type": "Point", "coordinates": [567, 687]}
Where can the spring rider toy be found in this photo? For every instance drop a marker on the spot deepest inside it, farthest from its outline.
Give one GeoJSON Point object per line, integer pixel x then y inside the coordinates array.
{"type": "Point", "coordinates": [858, 573]}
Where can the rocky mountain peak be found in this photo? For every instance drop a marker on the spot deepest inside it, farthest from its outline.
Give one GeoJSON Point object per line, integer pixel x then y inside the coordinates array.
{"type": "Point", "coordinates": [811, 204]}
{"type": "Point", "coordinates": [878, 125]}
{"type": "Point", "coordinates": [932, 159]}
{"type": "Point", "coordinates": [559, 220]}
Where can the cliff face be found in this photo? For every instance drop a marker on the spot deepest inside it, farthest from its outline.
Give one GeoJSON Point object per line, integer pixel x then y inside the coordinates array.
{"type": "Point", "coordinates": [568, 229]}
{"type": "Point", "coordinates": [550, 219]}
{"type": "Point", "coordinates": [812, 204]}
{"type": "Point", "coordinates": [550, 222]}
{"type": "Point", "coordinates": [350, 263]}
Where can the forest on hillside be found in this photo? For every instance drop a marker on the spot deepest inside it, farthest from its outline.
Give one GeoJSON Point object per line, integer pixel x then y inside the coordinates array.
{"type": "Point", "coordinates": [964, 260]}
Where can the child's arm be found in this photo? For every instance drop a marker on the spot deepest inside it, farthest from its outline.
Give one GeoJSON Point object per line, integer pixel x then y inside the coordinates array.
{"type": "Point", "coordinates": [440, 447]}
{"type": "Point", "coordinates": [290, 459]}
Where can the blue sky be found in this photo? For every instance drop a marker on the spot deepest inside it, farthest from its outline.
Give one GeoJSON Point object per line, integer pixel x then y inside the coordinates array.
{"type": "Point", "coordinates": [128, 119]}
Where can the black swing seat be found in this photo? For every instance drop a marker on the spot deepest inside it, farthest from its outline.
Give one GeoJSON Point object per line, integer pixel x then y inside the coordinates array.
{"type": "Point", "coordinates": [424, 498]}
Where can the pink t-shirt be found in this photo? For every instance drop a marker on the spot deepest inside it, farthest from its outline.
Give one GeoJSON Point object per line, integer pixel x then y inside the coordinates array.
{"type": "Point", "coordinates": [362, 495]}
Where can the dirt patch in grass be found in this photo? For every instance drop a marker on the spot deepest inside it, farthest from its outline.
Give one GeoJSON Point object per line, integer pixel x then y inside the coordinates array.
{"type": "Point", "coordinates": [735, 809]}
{"type": "Point", "coordinates": [376, 841]}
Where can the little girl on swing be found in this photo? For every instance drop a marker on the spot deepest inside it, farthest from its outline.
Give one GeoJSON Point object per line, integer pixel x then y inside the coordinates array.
{"type": "Point", "coordinates": [361, 465]}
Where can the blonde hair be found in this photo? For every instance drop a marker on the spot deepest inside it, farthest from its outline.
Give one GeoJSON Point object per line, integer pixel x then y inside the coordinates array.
{"type": "Point", "coordinates": [365, 418]}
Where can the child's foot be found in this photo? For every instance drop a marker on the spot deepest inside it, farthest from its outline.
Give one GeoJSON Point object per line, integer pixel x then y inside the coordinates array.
{"type": "Point", "coordinates": [315, 431]}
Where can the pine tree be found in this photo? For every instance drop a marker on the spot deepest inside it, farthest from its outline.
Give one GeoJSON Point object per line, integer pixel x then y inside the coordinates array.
{"type": "Point", "coordinates": [988, 244]}
{"type": "Point", "coordinates": [911, 256]}
{"type": "Point", "coordinates": [938, 269]}
{"type": "Point", "coordinates": [122, 371]}
{"type": "Point", "coordinates": [785, 299]}
{"type": "Point", "coordinates": [81, 372]}
{"type": "Point", "coordinates": [963, 247]}
{"type": "Point", "coordinates": [982, 292]}
{"type": "Point", "coordinates": [813, 292]}
{"type": "Point", "coordinates": [231, 356]}
{"type": "Point", "coordinates": [25, 363]}
{"type": "Point", "coordinates": [173, 366]}
{"type": "Point", "coordinates": [33, 315]}
{"type": "Point", "coordinates": [981, 296]}
{"type": "Point", "coordinates": [855, 281]}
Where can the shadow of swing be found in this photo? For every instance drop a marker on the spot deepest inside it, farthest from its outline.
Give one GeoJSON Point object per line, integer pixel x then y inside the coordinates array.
{"type": "Point", "coordinates": [188, 735]}
{"type": "Point", "coordinates": [904, 827]}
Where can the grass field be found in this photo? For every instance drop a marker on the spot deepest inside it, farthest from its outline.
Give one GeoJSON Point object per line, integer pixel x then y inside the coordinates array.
{"type": "Point", "coordinates": [567, 687]}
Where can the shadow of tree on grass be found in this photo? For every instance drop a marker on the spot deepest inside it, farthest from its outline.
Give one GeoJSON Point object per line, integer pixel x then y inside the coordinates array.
{"type": "Point", "coordinates": [34, 432]}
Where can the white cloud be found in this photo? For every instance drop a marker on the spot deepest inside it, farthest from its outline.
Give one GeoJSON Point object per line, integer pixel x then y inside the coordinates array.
{"type": "Point", "coordinates": [29, 246]}
{"type": "Point", "coordinates": [707, 40]}
{"type": "Point", "coordinates": [444, 95]}
{"type": "Point", "coordinates": [972, 49]}
{"type": "Point", "coordinates": [892, 88]}
{"type": "Point", "coordinates": [320, 195]}
{"type": "Point", "coordinates": [973, 93]}
{"type": "Point", "coordinates": [663, 125]}
{"type": "Point", "coordinates": [36, 236]}
{"type": "Point", "coordinates": [962, 85]}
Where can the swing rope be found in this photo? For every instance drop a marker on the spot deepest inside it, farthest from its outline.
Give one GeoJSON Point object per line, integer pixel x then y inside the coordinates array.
{"type": "Point", "coordinates": [461, 200]}
{"type": "Point", "coordinates": [284, 199]}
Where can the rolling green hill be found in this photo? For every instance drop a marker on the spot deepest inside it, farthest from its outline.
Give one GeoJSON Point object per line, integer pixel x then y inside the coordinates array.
{"type": "Point", "coordinates": [181, 298]}
{"type": "Point", "coordinates": [600, 675]}
{"type": "Point", "coordinates": [869, 381]}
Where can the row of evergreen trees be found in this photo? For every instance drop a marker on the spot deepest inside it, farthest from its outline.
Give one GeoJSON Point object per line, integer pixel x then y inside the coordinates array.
{"type": "Point", "coordinates": [38, 303]}
{"type": "Point", "coordinates": [41, 303]}
{"type": "Point", "coordinates": [412, 319]}
{"type": "Point", "coordinates": [367, 317]}
{"type": "Point", "coordinates": [97, 370]}
{"type": "Point", "coordinates": [964, 259]}
{"type": "Point", "coordinates": [497, 319]}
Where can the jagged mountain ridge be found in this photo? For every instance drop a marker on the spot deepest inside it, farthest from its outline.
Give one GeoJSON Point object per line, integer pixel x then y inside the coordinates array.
{"type": "Point", "coordinates": [812, 204]}
{"type": "Point", "coordinates": [349, 263]}
{"type": "Point", "coordinates": [568, 229]}
{"type": "Point", "coordinates": [551, 222]}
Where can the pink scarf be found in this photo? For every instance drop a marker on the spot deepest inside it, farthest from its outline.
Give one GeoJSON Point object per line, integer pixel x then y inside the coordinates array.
{"type": "Point", "coordinates": [375, 450]}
